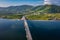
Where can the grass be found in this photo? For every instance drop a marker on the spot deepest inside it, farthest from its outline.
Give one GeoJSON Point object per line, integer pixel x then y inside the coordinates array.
{"type": "Point", "coordinates": [43, 16]}
{"type": "Point", "coordinates": [11, 16]}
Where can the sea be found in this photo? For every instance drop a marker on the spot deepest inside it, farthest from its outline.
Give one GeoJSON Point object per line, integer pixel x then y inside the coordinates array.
{"type": "Point", "coordinates": [13, 29]}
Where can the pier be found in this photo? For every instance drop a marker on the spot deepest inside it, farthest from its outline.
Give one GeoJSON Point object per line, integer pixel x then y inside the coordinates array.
{"type": "Point", "coordinates": [28, 34]}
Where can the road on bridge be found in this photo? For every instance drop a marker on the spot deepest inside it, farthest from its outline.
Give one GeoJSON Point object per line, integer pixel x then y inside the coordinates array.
{"type": "Point", "coordinates": [28, 34]}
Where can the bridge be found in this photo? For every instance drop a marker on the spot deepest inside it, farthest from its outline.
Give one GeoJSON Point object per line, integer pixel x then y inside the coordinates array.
{"type": "Point", "coordinates": [28, 34]}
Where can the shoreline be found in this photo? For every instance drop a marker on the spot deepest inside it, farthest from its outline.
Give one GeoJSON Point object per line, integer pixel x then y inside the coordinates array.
{"type": "Point", "coordinates": [31, 20]}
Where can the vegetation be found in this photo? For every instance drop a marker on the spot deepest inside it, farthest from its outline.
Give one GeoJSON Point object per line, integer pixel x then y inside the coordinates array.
{"type": "Point", "coordinates": [46, 9]}
{"type": "Point", "coordinates": [11, 16]}
{"type": "Point", "coordinates": [44, 17]}
{"type": "Point", "coordinates": [15, 9]}
{"type": "Point", "coordinates": [41, 12]}
{"type": "Point", "coordinates": [28, 9]}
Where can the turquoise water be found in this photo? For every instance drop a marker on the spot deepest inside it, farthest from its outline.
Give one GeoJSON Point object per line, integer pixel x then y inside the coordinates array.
{"type": "Point", "coordinates": [40, 30]}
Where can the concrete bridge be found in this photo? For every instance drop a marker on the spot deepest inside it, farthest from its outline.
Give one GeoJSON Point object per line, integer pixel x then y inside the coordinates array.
{"type": "Point", "coordinates": [28, 34]}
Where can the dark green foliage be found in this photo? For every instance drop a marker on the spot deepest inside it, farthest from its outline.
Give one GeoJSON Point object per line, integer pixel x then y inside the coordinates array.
{"type": "Point", "coordinates": [27, 9]}
{"type": "Point", "coordinates": [12, 16]}
{"type": "Point", "coordinates": [14, 9]}
{"type": "Point", "coordinates": [47, 9]}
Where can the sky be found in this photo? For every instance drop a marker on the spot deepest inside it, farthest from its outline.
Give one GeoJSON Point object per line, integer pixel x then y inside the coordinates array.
{"type": "Point", "coordinates": [6, 3]}
{"type": "Point", "coordinates": [56, 2]}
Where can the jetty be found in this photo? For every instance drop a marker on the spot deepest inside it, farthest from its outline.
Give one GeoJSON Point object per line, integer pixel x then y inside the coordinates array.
{"type": "Point", "coordinates": [28, 34]}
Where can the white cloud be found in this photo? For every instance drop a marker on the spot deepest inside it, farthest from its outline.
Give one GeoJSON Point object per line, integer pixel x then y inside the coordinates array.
{"type": "Point", "coordinates": [3, 5]}
{"type": "Point", "coordinates": [57, 2]}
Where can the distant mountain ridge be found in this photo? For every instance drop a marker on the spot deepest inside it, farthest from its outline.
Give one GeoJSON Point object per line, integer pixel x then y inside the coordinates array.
{"type": "Point", "coordinates": [14, 9]}
{"type": "Point", "coordinates": [27, 8]}
{"type": "Point", "coordinates": [47, 9]}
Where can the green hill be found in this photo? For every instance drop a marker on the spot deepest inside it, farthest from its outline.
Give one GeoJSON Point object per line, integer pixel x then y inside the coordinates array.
{"type": "Point", "coordinates": [15, 9]}
{"type": "Point", "coordinates": [47, 9]}
{"type": "Point", "coordinates": [28, 9]}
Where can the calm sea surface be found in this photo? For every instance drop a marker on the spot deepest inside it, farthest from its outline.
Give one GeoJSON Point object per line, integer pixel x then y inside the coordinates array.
{"type": "Point", "coordinates": [45, 30]}
{"type": "Point", "coordinates": [40, 30]}
{"type": "Point", "coordinates": [12, 30]}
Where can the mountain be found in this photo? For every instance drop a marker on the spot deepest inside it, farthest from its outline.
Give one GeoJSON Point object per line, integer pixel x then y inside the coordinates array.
{"type": "Point", "coordinates": [14, 9]}
{"type": "Point", "coordinates": [47, 9]}
{"type": "Point", "coordinates": [28, 9]}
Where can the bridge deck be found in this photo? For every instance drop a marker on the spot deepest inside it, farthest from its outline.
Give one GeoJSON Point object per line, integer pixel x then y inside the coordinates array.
{"type": "Point", "coordinates": [28, 34]}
